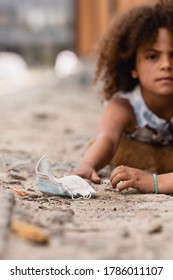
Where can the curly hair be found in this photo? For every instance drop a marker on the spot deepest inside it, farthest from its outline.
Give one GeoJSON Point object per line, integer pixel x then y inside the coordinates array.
{"type": "Point", "coordinates": [118, 49]}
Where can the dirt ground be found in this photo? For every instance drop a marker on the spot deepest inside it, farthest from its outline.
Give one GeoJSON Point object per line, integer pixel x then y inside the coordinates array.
{"type": "Point", "coordinates": [57, 118]}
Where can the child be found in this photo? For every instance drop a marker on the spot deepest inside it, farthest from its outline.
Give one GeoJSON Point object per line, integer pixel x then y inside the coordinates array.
{"type": "Point", "coordinates": [135, 65]}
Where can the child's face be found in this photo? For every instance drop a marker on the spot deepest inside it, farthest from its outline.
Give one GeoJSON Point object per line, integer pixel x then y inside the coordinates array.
{"type": "Point", "coordinates": [154, 65]}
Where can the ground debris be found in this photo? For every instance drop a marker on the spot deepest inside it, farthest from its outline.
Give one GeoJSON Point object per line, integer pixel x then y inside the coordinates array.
{"type": "Point", "coordinates": [155, 228]}
{"type": "Point", "coordinates": [30, 232]}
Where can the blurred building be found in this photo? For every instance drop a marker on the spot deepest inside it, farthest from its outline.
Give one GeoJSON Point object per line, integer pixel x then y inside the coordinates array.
{"type": "Point", "coordinates": [39, 29]}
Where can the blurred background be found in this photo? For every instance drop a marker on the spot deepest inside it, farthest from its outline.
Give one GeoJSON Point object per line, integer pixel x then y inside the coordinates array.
{"type": "Point", "coordinates": [56, 34]}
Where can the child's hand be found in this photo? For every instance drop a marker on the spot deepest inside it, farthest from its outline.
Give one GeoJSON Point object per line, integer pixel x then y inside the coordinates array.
{"type": "Point", "coordinates": [88, 172]}
{"type": "Point", "coordinates": [132, 178]}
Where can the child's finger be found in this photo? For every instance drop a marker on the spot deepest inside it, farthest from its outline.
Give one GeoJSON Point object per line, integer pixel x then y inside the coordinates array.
{"type": "Point", "coordinates": [118, 178]}
{"type": "Point", "coordinates": [118, 170]}
{"type": "Point", "coordinates": [122, 185]}
{"type": "Point", "coordinates": [95, 178]}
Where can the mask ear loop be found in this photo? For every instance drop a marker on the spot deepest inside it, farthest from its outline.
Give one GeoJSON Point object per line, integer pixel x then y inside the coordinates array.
{"type": "Point", "coordinates": [87, 196]}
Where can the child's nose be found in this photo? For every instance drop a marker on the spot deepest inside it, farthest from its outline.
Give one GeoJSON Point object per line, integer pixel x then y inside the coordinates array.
{"type": "Point", "coordinates": [166, 63]}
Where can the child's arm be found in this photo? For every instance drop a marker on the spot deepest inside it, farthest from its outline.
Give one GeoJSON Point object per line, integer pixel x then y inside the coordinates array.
{"type": "Point", "coordinates": [117, 115]}
{"type": "Point", "coordinates": [141, 180]}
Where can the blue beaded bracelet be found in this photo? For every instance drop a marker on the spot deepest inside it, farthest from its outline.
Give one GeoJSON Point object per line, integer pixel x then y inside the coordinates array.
{"type": "Point", "coordinates": [155, 184]}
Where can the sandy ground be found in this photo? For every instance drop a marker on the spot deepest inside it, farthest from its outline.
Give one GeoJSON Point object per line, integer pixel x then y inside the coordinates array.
{"type": "Point", "coordinates": [58, 119]}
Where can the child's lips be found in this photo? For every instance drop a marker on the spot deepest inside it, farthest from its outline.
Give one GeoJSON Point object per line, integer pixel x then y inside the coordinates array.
{"type": "Point", "coordinates": [165, 80]}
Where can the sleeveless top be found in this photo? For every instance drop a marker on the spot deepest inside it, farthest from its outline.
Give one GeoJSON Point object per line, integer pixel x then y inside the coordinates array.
{"type": "Point", "coordinates": [149, 127]}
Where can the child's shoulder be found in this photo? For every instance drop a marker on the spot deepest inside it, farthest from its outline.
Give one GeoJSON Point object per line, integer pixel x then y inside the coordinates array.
{"type": "Point", "coordinates": [132, 98]}
{"type": "Point", "coordinates": [119, 110]}
{"type": "Point", "coordinates": [119, 105]}
{"type": "Point", "coordinates": [122, 103]}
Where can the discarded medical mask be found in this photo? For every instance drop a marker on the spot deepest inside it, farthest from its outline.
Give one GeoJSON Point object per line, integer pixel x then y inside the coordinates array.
{"type": "Point", "coordinates": [72, 185]}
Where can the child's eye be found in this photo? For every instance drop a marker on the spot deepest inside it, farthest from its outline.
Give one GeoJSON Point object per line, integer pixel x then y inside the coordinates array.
{"type": "Point", "coordinates": [152, 56]}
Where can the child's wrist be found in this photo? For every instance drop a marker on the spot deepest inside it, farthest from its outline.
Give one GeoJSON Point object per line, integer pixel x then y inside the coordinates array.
{"type": "Point", "coordinates": [165, 184]}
